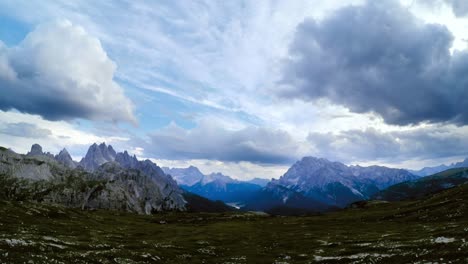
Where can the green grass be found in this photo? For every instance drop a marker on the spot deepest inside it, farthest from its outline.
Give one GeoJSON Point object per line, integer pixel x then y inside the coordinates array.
{"type": "Point", "coordinates": [425, 186]}
{"type": "Point", "coordinates": [401, 232]}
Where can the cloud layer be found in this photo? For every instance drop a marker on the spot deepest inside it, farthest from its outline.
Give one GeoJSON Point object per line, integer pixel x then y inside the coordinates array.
{"type": "Point", "coordinates": [60, 72]}
{"type": "Point", "coordinates": [392, 146]}
{"type": "Point", "coordinates": [26, 130]}
{"type": "Point", "coordinates": [379, 58]}
{"type": "Point", "coordinates": [211, 141]}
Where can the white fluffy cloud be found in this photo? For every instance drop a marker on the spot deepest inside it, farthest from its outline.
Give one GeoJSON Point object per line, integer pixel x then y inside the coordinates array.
{"type": "Point", "coordinates": [61, 72]}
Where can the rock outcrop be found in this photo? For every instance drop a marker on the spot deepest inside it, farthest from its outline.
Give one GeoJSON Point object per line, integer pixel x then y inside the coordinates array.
{"type": "Point", "coordinates": [106, 180]}
{"type": "Point", "coordinates": [97, 155]}
{"type": "Point", "coordinates": [64, 158]}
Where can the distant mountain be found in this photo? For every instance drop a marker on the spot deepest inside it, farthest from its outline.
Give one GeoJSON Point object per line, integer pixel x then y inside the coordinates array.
{"type": "Point", "coordinates": [228, 192]}
{"type": "Point", "coordinates": [278, 199]}
{"type": "Point", "coordinates": [259, 181]}
{"type": "Point", "coordinates": [328, 184]}
{"type": "Point", "coordinates": [185, 176]}
{"type": "Point", "coordinates": [426, 171]}
{"type": "Point", "coordinates": [217, 177]}
{"type": "Point", "coordinates": [214, 186]}
{"type": "Point", "coordinates": [424, 186]}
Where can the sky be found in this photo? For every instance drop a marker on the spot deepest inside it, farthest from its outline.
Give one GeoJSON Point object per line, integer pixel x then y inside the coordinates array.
{"type": "Point", "coordinates": [245, 88]}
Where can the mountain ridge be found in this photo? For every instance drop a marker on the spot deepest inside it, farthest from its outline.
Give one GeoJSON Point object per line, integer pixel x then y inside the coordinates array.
{"type": "Point", "coordinates": [328, 182]}
{"type": "Point", "coordinates": [104, 179]}
{"type": "Point", "coordinates": [214, 186]}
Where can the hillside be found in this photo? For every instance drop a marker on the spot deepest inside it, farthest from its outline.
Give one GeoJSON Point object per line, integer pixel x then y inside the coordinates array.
{"type": "Point", "coordinates": [424, 186]}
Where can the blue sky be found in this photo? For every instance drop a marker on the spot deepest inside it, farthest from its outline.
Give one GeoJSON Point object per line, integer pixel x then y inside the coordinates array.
{"type": "Point", "coordinates": [241, 87]}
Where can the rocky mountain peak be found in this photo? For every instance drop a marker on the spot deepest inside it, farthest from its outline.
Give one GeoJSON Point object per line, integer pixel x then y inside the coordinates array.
{"type": "Point", "coordinates": [65, 158]}
{"type": "Point", "coordinates": [126, 160]}
{"type": "Point", "coordinates": [97, 155]}
{"type": "Point", "coordinates": [64, 152]}
{"type": "Point", "coordinates": [36, 150]}
{"type": "Point", "coordinates": [314, 172]}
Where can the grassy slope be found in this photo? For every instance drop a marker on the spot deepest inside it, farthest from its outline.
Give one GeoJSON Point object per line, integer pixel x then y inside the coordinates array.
{"type": "Point", "coordinates": [424, 186]}
{"type": "Point", "coordinates": [379, 233]}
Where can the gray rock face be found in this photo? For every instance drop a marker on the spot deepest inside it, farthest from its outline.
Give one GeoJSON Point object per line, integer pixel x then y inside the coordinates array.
{"type": "Point", "coordinates": [36, 150]}
{"type": "Point", "coordinates": [125, 184]}
{"type": "Point", "coordinates": [336, 184]}
{"type": "Point", "coordinates": [97, 155]}
{"type": "Point", "coordinates": [165, 183]}
{"type": "Point", "coordinates": [25, 166]}
{"type": "Point", "coordinates": [64, 158]}
{"type": "Point", "coordinates": [125, 160]}
{"type": "Point", "coordinates": [133, 190]}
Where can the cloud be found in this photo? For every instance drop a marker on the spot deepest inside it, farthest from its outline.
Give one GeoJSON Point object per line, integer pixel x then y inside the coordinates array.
{"type": "Point", "coordinates": [239, 170]}
{"type": "Point", "coordinates": [61, 72]}
{"type": "Point", "coordinates": [378, 58]}
{"type": "Point", "coordinates": [432, 142]}
{"type": "Point", "coordinates": [459, 7]}
{"type": "Point", "coordinates": [23, 129]}
{"type": "Point", "coordinates": [211, 141]}
{"type": "Point", "coordinates": [19, 131]}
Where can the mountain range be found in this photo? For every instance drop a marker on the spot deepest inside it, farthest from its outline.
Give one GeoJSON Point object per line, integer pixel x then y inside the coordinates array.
{"type": "Point", "coordinates": [436, 169]}
{"type": "Point", "coordinates": [103, 179]}
{"type": "Point", "coordinates": [215, 186]}
{"type": "Point", "coordinates": [106, 179]}
{"type": "Point", "coordinates": [326, 185]}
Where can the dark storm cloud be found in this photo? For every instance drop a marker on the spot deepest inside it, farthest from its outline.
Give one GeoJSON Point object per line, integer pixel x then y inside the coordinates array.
{"type": "Point", "coordinates": [211, 141]}
{"type": "Point", "coordinates": [25, 130]}
{"type": "Point", "coordinates": [395, 146]}
{"type": "Point", "coordinates": [379, 58]}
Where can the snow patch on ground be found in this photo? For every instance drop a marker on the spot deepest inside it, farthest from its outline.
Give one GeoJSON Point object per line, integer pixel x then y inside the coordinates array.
{"type": "Point", "coordinates": [355, 256]}
{"type": "Point", "coordinates": [443, 240]}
